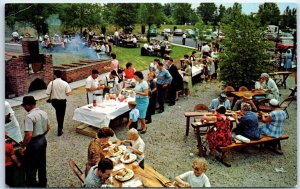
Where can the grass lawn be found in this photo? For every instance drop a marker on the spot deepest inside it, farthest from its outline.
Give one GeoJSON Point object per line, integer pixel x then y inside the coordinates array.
{"type": "Point", "coordinates": [124, 55]}
{"type": "Point", "coordinates": [139, 62]}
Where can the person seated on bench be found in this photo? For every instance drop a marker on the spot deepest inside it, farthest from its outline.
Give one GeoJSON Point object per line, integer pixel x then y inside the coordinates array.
{"type": "Point", "coordinates": [220, 134]}
{"type": "Point", "coordinates": [270, 86]}
{"type": "Point", "coordinates": [273, 123]}
{"type": "Point", "coordinates": [247, 98]}
{"type": "Point", "coordinates": [221, 100]}
{"type": "Point", "coordinates": [247, 125]}
{"type": "Point", "coordinates": [195, 178]}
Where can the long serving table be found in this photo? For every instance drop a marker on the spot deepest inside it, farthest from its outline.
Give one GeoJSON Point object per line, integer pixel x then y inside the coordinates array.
{"type": "Point", "coordinates": [102, 114]}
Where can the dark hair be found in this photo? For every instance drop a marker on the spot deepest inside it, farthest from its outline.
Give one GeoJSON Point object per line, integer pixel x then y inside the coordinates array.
{"type": "Point", "coordinates": [128, 65]}
{"type": "Point", "coordinates": [156, 60]}
{"type": "Point", "coordinates": [120, 71]}
{"type": "Point", "coordinates": [95, 72]}
{"type": "Point", "coordinates": [166, 58]}
{"type": "Point", "coordinates": [113, 73]}
{"type": "Point", "coordinates": [113, 55]}
{"type": "Point", "coordinates": [171, 59]}
{"type": "Point", "coordinates": [105, 164]}
{"type": "Point", "coordinates": [194, 52]}
{"type": "Point", "coordinates": [139, 74]}
{"type": "Point", "coordinates": [221, 110]}
{"type": "Point", "coordinates": [160, 64]}
{"type": "Point", "coordinates": [57, 73]}
{"type": "Point", "coordinates": [186, 56]}
{"type": "Point", "coordinates": [105, 132]}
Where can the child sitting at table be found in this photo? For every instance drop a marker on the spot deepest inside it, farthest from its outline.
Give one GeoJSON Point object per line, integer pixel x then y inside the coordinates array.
{"type": "Point", "coordinates": [133, 115]}
{"type": "Point", "coordinates": [137, 146]}
{"type": "Point", "coordinates": [195, 178]}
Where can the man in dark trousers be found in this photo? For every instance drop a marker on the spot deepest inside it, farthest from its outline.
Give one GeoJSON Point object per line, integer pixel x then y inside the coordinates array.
{"type": "Point", "coordinates": [36, 126]}
{"type": "Point", "coordinates": [176, 84]}
{"type": "Point", "coordinates": [58, 90]}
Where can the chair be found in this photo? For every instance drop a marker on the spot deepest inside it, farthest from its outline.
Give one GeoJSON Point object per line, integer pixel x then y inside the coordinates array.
{"type": "Point", "coordinates": [77, 171]}
{"type": "Point", "coordinates": [285, 104]}
{"type": "Point", "coordinates": [243, 88]}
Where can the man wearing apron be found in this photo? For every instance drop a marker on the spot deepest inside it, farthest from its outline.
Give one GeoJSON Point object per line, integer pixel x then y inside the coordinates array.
{"type": "Point", "coordinates": [110, 82]}
{"type": "Point", "coordinates": [93, 89]}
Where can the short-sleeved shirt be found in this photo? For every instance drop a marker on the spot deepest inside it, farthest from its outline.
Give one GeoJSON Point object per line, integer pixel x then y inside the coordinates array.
{"type": "Point", "coordinates": [275, 127]}
{"type": "Point", "coordinates": [215, 103]}
{"type": "Point", "coordinates": [190, 177]}
{"type": "Point", "coordinates": [92, 180]}
{"type": "Point", "coordinates": [163, 77]}
{"type": "Point", "coordinates": [112, 83]}
{"type": "Point", "coordinates": [92, 83]}
{"type": "Point", "coordinates": [134, 115]}
{"type": "Point", "coordinates": [59, 89]}
{"type": "Point", "coordinates": [115, 62]}
{"type": "Point", "coordinates": [36, 121]}
{"type": "Point", "coordinates": [140, 145]}
{"type": "Point", "coordinates": [141, 87]}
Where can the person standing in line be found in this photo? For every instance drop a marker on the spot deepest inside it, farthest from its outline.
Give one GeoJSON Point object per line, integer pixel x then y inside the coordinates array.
{"type": "Point", "coordinates": [183, 38]}
{"type": "Point", "coordinates": [11, 124]}
{"type": "Point", "coordinates": [176, 84]}
{"type": "Point", "coordinates": [114, 61]}
{"type": "Point", "coordinates": [133, 115]}
{"type": "Point", "coordinates": [92, 87]}
{"type": "Point", "coordinates": [58, 90]}
{"type": "Point", "coordinates": [164, 79]}
{"type": "Point", "coordinates": [152, 96]}
{"type": "Point", "coordinates": [288, 60]}
{"type": "Point", "coordinates": [34, 145]}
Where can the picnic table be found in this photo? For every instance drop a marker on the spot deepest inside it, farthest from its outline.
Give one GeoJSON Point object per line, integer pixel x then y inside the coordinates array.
{"type": "Point", "coordinates": [259, 92]}
{"type": "Point", "coordinates": [101, 115]}
{"type": "Point", "coordinates": [280, 77]}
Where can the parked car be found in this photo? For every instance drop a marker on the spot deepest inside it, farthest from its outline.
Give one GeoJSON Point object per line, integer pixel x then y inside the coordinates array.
{"type": "Point", "coordinates": [271, 36]}
{"type": "Point", "coordinates": [284, 45]}
{"type": "Point", "coordinates": [190, 33]}
{"type": "Point", "coordinates": [213, 36]}
{"type": "Point", "coordinates": [153, 32]}
{"type": "Point", "coordinates": [286, 36]}
{"type": "Point", "coordinates": [166, 30]}
{"type": "Point", "coordinates": [178, 32]}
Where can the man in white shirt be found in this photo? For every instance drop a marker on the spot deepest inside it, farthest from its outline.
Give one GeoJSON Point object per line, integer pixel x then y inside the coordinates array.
{"type": "Point", "coordinates": [58, 90]}
{"type": "Point", "coordinates": [134, 41]}
{"type": "Point", "coordinates": [205, 49]}
{"type": "Point", "coordinates": [11, 124]}
{"type": "Point", "coordinates": [183, 38]}
{"type": "Point", "coordinates": [92, 86]}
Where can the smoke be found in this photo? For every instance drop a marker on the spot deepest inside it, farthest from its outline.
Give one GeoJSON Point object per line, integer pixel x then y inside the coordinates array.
{"type": "Point", "coordinates": [54, 23]}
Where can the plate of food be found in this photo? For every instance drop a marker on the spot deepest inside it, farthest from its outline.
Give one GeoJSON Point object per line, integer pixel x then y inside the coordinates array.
{"type": "Point", "coordinates": [128, 158]}
{"type": "Point", "coordinates": [116, 151]}
{"type": "Point", "coordinates": [124, 174]}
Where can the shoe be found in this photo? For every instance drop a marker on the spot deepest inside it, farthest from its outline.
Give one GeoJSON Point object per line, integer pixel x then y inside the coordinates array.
{"type": "Point", "coordinates": [171, 104]}
{"type": "Point", "coordinates": [60, 133]}
{"type": "Point", "coordinates": [148, 122]}
{"type": "Point", "coordinates": [144, 131]}
{"type": "Point", "coordinates": [176, 99]}
{"type": "Point", "coordinates": [140, 129]}
{"type": "Point", "coordinates": [160, 111]}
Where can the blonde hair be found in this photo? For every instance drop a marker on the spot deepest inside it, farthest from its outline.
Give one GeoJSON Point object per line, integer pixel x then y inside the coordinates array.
{"type": "Point", "coordinates": [133, 132]}
{"type": "Point", "coordinates": [200, 164]}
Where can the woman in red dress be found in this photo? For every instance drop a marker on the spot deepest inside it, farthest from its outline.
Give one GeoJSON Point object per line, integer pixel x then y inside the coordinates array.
{"type": "Point", "coordinates": [220, 134]}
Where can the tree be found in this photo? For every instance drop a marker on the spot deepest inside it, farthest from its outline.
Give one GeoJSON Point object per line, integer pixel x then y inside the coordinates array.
{"type": "Point", "coordinates": [201, 29]}
{"type": "Point", "coordinates": [208, 12]}
{"type": "Point", "coordinates": [125, 14]}
{"type": "Point", "coordinates": [182, 13]}
{"type": "Point", "coordinates": [289, 18]}
{"type": "Point", "coordinates": [245, 52]}
{"type": "Point", "coordinates": [269, 14]}
{"type": "Point", "coordinates": [221, 13]}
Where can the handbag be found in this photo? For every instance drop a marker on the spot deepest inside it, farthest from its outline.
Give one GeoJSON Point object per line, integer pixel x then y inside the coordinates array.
{"type": "Point", "coordinates": [186, 78]}
{"type": "Point", "coordinates": [49, 100]}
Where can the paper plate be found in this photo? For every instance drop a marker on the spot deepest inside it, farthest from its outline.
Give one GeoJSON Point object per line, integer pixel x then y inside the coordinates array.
{"type": "Point", "coordinates": [126, 177]}
{"type": "Point", "coordinates": [132, 158]}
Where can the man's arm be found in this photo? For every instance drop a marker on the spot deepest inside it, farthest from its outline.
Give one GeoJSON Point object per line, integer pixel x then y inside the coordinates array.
{"type": "Point", "coordinates": [26, 140]}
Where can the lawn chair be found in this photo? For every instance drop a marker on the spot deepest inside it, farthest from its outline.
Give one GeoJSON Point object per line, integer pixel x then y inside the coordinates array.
{"type": "Point", "coordinates": [285, 104]}
{"type": "Point", "coordinates": [77, 171]}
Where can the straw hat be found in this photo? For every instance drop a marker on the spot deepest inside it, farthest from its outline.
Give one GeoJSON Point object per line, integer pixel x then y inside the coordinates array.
{"type": "Point", "coordinates": [247, 96]}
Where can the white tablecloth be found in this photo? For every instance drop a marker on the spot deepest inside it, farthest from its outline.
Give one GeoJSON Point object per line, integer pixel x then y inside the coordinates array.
{"type": "Point", "coordinates": [101, 115]}
{"type": "Point", "coordinates": [196, 70]}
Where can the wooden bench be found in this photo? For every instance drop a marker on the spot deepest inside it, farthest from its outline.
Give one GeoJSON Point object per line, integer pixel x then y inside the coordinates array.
{"type": "Point", "coordinates": [263, 140]}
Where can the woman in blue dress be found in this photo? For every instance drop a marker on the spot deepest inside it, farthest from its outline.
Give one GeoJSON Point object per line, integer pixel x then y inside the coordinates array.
{"type": "Point", "coordinates": [141, 98]}
{"type": "Point", "coordinates": [288, 60]}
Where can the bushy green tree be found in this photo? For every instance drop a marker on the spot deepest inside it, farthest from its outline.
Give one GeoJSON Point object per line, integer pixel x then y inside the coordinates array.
{"type": "Point", "coordinates": [208, 12]}
{"type": "Point", "coordinates": [269, 14]}
{"type": "Point", "coordinates": [245, 52]}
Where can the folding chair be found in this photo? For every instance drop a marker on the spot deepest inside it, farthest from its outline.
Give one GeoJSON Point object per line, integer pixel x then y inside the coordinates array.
{"type": "Point", "coordinates": [285, 104]}
{"type": "Point", "coordinates": [77, 171]}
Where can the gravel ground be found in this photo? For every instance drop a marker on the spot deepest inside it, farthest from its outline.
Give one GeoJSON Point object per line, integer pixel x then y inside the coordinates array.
{"type": "Point", "coordinates": [168, 149]}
